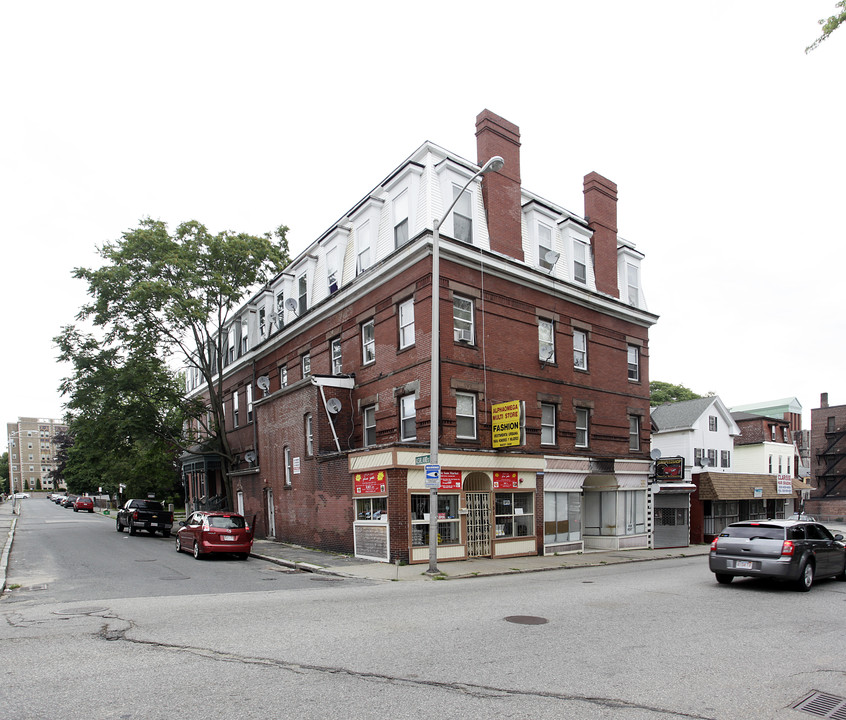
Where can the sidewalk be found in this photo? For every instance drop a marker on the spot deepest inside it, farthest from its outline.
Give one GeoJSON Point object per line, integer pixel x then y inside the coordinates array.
{"type": "Point", "coordinates": [8, 521]}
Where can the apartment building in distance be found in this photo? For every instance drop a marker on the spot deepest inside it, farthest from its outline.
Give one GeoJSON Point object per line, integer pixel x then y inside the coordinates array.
{"type": "Point", "coordinates": [542, 393]}
{"type": "Point", "coordinates": [32, 452]}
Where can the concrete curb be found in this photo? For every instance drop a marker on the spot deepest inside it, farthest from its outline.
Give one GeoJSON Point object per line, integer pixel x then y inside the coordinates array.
{"type": "Point", "coordinates": [4, 558]}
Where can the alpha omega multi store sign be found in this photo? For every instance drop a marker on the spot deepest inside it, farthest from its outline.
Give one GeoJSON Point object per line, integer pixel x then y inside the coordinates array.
{"type": "Point", "coordinates": [506, 424]}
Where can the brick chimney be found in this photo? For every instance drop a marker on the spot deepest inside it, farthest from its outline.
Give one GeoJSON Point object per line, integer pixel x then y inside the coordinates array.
{"type": "Point", "coordinates": [601, 214]}
{"type": "Point", "coordinates": [501, 190]}
{"type": "Point", "coordinates": [823, 400]}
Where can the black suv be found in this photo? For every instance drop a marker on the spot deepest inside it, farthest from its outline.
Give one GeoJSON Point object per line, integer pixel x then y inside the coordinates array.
{"type": "Point", "coordinates": [792, 550]}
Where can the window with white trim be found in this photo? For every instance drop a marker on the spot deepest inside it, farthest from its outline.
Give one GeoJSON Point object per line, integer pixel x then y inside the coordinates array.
{"type": "Point", "coordinates": [249, 402]}
{"type": "Point", "coordinates": [369, 422]}
{"type": "Point", "coordinates": [465, 415]}
{"type": "Point", "coordinates": [283, 376]}
{"type": "Point", "coordinates": [332, 270]}
{"type": "Point", "coordinates": [633, 279]}
{"type": "Point", "coordinates": [288, 466]}
{"type": "Point", "coordinates": [406, 323]}
{"type": "Point", "coordinates": [303, 294]}
{"type": "Point", "coordinates": [544, 245]}
{"type": "Point", "coordinates": [364, 236]}
{"type": "Point", "coordinates": [306, 365]}
{"type": "Point", "coordinates": [462, 319]}
{"type": "Point", "coordinates": [633, 359]}
{"type": "Point", "coordinates": [408, 418]}
{"type": "Point", "coordinates": [634, 432]}
{"type": "Point", "coordinates": [335, 352]}
{"type": "Point", "coordinates": [514, 514]}
{"type": "Point", "coordinates": [580, 350]}
{"type": "Point", "coordinates": [371, 508]}
{"type": "Point", "coordinates": [579, 261]}
{"type": "Point", "coordinates": [309, 434]}
{"type": "Point", "coordinates": [235, 408]}
{"type": "Point", "coordinates": [245, 336]}
{"type": "Point", "coordinates": [400, 207]}
{"type": "Point", "coordinates": [562, 517]}
{"type": "Point", "coordinates": [231, 345]}
{"type": "Point", "coordinates": [582, 420]}
{"type": "Point", "coordinates": [368, 342]}
{"type": "Point", "coordinates": [262, 320]}
{"type": "Point", "coordinates": [449, 523]}
{"type": "Point", "coordinates": [546, 341]}
{"type": "Point", "coordinates": [725, 458]}
{"type": "Point", "coordinates": [462, 215]}
{"type": "Point", "coordinates": [548, 434]}
{"type": "Point", "coordinates": [712, 423]}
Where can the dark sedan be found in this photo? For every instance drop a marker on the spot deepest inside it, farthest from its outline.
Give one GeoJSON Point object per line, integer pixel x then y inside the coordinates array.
{"type": "Point", "coordinates": [791, 550]}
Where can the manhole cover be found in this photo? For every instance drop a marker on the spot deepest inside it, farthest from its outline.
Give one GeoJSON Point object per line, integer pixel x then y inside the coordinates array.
{"type": "Point", "coordinates": [81, 611]}
{"type": "Point", "coordinates": [823, 705]}
{"type": "Point", "coordinates": [526, 620]}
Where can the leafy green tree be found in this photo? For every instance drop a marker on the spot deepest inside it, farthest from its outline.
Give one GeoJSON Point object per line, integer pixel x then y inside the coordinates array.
{"type": "Point", "coordinates": [4, 472]}
{"type": "Point", "coordinates": [178, 292]}
{"type": "Point", "coordinates": [125, 409]}
{"type": "Point", "coordinates": [830, 25]}
{"type": "Point", "coordinates": [663, 392]}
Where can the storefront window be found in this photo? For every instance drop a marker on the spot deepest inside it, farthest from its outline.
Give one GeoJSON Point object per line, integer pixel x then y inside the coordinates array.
{"type": "Point", "coordinates": [448, 522]}
{"type": "Point", "coordinates": [612, 513]}
{"type": "Point", "coordinates": [514, 515]}
{"type": "Point", "coordinates": [371, 508]}
{"type": "Point", "coordinates": [562, 517]}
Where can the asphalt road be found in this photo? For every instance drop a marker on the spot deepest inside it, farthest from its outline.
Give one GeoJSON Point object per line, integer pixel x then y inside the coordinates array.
{"type": "Point", "coordinates": [636, 641]}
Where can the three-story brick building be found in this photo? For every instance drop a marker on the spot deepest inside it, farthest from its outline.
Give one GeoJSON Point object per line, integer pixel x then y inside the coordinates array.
{"type": "Point", "coordinates": [327, 386]}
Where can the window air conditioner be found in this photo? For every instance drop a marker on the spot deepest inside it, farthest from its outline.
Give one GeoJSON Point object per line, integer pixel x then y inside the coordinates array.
{"type": "Point", "coordinates": [464, 336]}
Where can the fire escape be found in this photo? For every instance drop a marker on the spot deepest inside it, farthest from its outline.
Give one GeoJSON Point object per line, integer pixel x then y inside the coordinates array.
{"type": "Point", "coordinates": [831, 464]}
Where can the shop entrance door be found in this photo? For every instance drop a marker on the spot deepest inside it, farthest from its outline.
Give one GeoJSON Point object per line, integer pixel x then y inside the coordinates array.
{"type": "Point", "coordinates": [270, 515]}
{"type": "Point", "coordinates": [478, 524]}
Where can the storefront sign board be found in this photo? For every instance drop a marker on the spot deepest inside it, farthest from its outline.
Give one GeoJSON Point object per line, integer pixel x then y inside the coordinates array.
{"type": "Point", "coordinates": [506, 423]}
{"type": "Point", "coordinates": [450, 479]}
{"type": "Point", "coordinates": [784, 485]}
{"type": "Point", "coordinates": [370, 483]}
{"type": "Point", "coordinates": [505, 480]}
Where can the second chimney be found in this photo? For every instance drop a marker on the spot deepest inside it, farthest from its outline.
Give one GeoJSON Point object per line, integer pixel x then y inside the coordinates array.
{"type": "Point", "coordinates": [601, 214]}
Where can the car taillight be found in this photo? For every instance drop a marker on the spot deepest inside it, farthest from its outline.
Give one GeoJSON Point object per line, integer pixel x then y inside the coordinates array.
{"type": "Point", "coordinates": [135, 515]}
{"type": "Point", "coordinates": [787, 548]}
{"type": "Point", "coordinates": [714, 545]}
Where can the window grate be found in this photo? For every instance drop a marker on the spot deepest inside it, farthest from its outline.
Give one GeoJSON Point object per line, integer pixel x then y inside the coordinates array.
{"type": "Point", "coordinates": [823, 705]}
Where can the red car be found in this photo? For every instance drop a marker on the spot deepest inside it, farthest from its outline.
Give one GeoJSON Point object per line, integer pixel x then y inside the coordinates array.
{"type": "Point", "coordinates": [83, 503]}
{"type": "Point", "coordinates": [207, 532]}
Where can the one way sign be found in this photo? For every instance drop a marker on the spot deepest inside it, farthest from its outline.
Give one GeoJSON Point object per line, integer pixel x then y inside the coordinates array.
{"type": "Point", "coordinates": [433, 476]}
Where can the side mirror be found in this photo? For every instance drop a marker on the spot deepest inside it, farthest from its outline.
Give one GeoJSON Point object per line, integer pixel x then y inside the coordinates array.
{"type": "Point", "coordinates": [838, 537]}
{"type": "Point", "coordinates": [182, 523]}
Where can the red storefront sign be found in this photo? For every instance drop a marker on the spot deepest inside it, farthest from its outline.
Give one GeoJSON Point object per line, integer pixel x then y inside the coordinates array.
{"type": "Point", "coordinates": [450, 479]}
{"type": "Point", "coordinates": [504, 480]}
{"type": "Point", "coordinates": [370, 483]}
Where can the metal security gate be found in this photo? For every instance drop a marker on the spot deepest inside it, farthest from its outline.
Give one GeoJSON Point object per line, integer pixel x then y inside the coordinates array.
{"type": "Point", "coordinates": [478, 524]}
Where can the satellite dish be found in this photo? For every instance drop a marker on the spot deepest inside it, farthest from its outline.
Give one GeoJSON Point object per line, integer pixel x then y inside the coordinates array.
{"type": "Point", "coordinates": [263, 382]}
{"type": "Point", "coordinates": [333, 405]}
{"type": "Point", "coordinates": [655, 454]}
{"type": "Point", "coordinates": [250, 456]}
{"type": "Point", "coordinates": [551, 257]}
{"type": "Point", "coordinates": [292, 305]}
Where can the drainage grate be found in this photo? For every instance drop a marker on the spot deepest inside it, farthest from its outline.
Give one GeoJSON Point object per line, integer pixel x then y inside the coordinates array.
{"type": "Point", "coordinates": [526, 620]}
{"type": "Point", "coordinates": [823, 705]}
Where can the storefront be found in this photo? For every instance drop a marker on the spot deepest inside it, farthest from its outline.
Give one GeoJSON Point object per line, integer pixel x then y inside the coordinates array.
{"type": "Point", "coordinates": [671, 514]}
{"type": "Point", "coordinates": [483, 510]}
{"type": "Point", "coordinates": [723, 498]}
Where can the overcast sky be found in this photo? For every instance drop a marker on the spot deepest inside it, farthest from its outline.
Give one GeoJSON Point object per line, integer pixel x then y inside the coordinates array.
{"type": "Point", "coordinates": [725, 140]}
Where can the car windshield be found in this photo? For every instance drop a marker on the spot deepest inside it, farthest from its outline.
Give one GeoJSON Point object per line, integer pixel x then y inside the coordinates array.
{"type": "Point", "coordinates": [226, 522]}
{"type": "Point", "coordinates": [770, 532]}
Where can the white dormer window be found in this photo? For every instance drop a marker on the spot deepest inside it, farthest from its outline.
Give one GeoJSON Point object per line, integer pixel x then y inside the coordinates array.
{"type": "Point", "coordinates": [231, 345]}
{"type": "Point", "coordinates": [262, 319]}
{"type": "Point", "coordinates": [332, 269]}
{"type": "Point", "coordinates": [633, 279]}
{"type": "Point", "coordinates": [302, 291]}
{"type": "Point", "coordinates": [280, 309]}
{"type": "Point", "coordinates": [245, 336]}
{"type": "Point", "coordinates": [364, 239]}
{"type": "Point", "coordinates": [462, 215]}
{"type": "Point", "coordinates": [580, 261]}
{"type": "Point", "coordinates": [544, 246]}
{"type": "Point", "coordinates": [400, 208]}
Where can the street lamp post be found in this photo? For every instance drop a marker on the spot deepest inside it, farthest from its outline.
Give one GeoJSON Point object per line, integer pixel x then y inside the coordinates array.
{"type": "Point", "coordinates": [495, 164]}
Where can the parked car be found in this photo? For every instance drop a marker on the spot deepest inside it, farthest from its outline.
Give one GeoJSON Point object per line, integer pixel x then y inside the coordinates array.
{"type": "Point", "coordinates": [207, 532]}
{"type": "Point", "coordinates": [58, 499]}
{"type": "Point", "coordinates": [68, 501]}
{"type": "Point", "coordinates": [21, 495]}
{"type": "Point", "coordinates": [83, 503]}
{"type": "Point", "coordinates": [148, 515]}
{"type": "Point", "coordinates": [791, 550]}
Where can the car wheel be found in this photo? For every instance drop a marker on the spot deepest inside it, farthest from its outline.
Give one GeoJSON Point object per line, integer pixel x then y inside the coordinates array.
{"type": "Point", "coordinates": [724, 579]}
{"type": "Point", "coordinates": [131, 527]}
{"type": "Point", "coordinates": [806, 577]}
{"type": "Point", "coordinates": [243, 556]}
{"type": "Point", "coordinates": [178, 544]}
{"type": "Point", "coordinates": [117, 525]}
{"type": "Point", "coordinates": [196, 550]}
